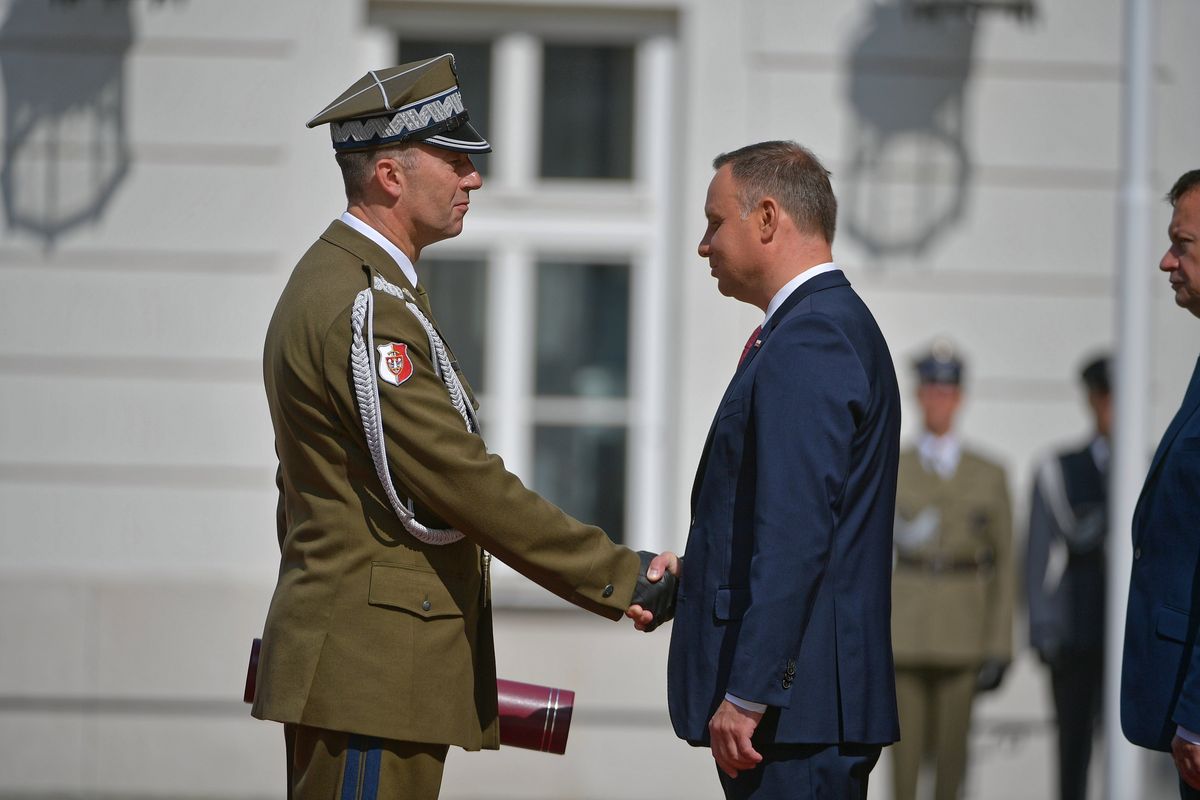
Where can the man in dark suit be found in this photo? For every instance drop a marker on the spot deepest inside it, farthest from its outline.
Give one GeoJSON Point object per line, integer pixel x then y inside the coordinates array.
{"type": "Point", "coordinates": [1065, 581]}
{"type": "Point", "coordinates": [1160, 677]}
{"type": "Point", "coordinates": [780, 656]}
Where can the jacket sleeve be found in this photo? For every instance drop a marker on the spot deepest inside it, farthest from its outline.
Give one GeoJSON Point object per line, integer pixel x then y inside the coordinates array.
{"type": "Point", "coordinates": [998, 644]}
{"type": "Point", "coordinates": [446, 469]}
{"type": "Point", "coordinates": [810, 391]}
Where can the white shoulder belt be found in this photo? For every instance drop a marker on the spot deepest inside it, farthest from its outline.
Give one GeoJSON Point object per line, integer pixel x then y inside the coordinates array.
{"type": "Point", "coordinates": [367, 390]}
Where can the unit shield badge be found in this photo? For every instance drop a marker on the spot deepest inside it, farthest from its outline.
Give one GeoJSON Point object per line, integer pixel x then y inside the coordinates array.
{"type": "Point", "coordinates": [395, 366]}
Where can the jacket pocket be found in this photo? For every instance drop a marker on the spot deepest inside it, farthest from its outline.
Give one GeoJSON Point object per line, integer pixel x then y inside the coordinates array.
{"type": "Point", "coordinates": [732, 407]}
{"type": "Point", "coordinates": [731, 603]}
{"type": "Point", "coordinates": [413, 589]}
{"type": "Point", "coordinates": [1172, 624]}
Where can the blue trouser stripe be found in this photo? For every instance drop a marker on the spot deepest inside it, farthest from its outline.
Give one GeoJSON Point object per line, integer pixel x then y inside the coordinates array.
{"type": "Point", "coordinates": [360, 755]}
{"type": "Point", "coordinates": [350, 775]}
{"type": "Point", "coordinates": [370, 785]}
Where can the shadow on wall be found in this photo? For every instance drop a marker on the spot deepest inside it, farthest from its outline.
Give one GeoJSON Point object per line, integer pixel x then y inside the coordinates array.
{"type": "Point", "coordinates": [66, 148]}
{"type": "Point", "coordinates": [909, 168]}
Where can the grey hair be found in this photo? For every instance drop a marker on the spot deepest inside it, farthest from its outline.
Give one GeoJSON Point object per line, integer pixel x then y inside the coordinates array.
{"type": "Point", "coordinates": [358, 166]}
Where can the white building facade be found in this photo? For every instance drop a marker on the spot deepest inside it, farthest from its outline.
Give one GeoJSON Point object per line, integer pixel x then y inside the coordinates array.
{"type": "Point", "coordinates": [158, 184]}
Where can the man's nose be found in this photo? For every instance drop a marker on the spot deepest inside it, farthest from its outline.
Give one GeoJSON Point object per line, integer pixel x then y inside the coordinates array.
{"type": "Point", "coordinates": [703, 247]}
{"type": "Point", "coordinates": [473, 181]}
{"type": "Point", "coordinates": [1169, 262]}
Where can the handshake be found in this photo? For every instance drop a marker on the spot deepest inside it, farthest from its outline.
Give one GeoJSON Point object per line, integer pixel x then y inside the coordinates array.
{"type": "Point", "coordinates": [653, 600]}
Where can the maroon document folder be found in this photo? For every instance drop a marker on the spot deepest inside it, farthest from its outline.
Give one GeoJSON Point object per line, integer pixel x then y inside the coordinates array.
{"type": "Point", "coordinates": [531, 716]}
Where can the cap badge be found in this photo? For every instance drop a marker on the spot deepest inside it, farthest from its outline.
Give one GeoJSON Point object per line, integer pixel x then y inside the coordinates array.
{"type": "Point", "coordinates": [395, 367]}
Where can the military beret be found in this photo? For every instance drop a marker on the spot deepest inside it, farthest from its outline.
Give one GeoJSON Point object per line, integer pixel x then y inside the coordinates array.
{"type": "Point", "coordinates": [1095, 375]}
{"type": "Point", "coordinates": [940, 364]}
{"type": "Point", "coordinates": [418, 101]}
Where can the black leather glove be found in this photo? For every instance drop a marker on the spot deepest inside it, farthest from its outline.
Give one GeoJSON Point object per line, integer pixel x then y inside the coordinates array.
{"type": "Point", "coordinates": [658, 598]}
{"type": "Point", "coordinates": [990, 675]}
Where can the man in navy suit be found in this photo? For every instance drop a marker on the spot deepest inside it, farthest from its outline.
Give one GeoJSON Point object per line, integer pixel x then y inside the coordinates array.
{"type": "Point", "coordinates": [781, 656]}
{"type": "Point", "coordinates": [1160, 677]}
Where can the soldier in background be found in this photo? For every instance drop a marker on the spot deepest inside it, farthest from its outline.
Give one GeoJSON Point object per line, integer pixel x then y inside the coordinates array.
{"type": "Point", "coordinates": [952, 594]}
{"type": "Point", "coordinates": [1064, 581]}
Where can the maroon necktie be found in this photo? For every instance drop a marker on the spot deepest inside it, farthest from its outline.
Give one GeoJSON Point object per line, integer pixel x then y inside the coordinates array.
{"type": "Point", "coordinates": [749, 343]}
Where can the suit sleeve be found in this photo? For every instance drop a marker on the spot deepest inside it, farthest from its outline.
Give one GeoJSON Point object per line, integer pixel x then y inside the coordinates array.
{"type": "Point", "coordinates": [810, 391]}
{"type": "Point", "coordinates": [1001, 594]}
{"type": "Point", "coordinates": [447, 470]}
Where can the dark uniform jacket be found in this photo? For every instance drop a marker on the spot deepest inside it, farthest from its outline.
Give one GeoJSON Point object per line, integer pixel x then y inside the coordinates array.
{"type": "Point", "coordinates": [371, 631]}
{"type": "Point", "coordinates": [1064, 566]}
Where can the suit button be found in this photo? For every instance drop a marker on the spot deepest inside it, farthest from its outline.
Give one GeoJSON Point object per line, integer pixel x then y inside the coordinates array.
{"type": "Point", "coordinates": [787, 683]}
{"type": "Point", "coordinates": [426, 605]}
{"type": "Point", "coordinates": [608, 590]}
{"type": "Point", "coordinates": [1137, 553]}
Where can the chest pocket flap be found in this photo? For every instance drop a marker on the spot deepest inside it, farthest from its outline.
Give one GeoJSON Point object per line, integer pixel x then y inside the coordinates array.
{"type": "Point", "coordinates": [418, 591]}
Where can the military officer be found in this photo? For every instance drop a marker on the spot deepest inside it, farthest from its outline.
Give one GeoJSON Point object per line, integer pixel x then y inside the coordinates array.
{"type": "Point", "coordinates": [952, 594]}
{"type": "Point", "coordinates": [1065, 581]}
{"type": "Point", "coordinates": [377, 649]}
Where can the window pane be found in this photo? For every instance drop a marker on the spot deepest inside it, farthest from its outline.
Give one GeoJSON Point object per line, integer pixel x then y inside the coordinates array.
{"type": "Point", "coordinates": [582, 470]}
{"type": "Point", "coordinates": [473, 62]}
{"type": "Point", "coordinates": [587, 112]}
{"type": "Point", "coordinates": [582, 329]}
{"type": "Point", "coordinates": [458, 294]}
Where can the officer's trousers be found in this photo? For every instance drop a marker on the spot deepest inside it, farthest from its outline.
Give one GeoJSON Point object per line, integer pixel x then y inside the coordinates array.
{"type": "Point", "coordinates": [331, 765]}
{"type": "Point", "coordinates": [935, 719]}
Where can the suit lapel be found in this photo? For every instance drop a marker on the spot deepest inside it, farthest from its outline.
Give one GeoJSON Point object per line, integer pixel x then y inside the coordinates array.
{"type": "Point", "coordinates": [825, 280]}
{"type": "Point", "coordinates": [1191, 404]}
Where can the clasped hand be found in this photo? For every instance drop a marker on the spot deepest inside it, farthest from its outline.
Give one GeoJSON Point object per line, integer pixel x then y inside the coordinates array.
{"type": "Point", "coordinates": [654, 597]}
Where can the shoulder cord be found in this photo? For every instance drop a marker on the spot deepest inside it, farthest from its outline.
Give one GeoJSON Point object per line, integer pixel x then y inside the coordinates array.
{"type": "Point", "coordinates": [367, 391]}
{"type": "Point", "coordinates": [1053, 489]}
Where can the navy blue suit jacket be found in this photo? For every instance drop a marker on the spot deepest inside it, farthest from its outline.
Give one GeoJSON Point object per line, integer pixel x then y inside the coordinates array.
{"type": "Point", "coordinates": [785, 596]}
{"type": "Point", "coordinates": [1160, 676]}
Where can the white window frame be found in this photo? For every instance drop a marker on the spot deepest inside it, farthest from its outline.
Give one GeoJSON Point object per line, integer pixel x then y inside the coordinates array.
{"type": "Point", "coordinates": [519, 218]}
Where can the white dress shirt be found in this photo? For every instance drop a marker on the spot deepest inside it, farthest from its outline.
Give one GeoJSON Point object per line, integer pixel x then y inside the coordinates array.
{"type": "Point", "coordinates": [940, 454]}
{"type": "Point", "coordinates": [378, 238]}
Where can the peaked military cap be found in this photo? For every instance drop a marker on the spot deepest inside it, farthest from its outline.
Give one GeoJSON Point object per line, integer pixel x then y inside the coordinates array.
{"type": "Point", "coordinates": [417, 101]}
{"type": "Point", "coordinates": [940, 365]}
{"type": "Point", "coordinates": [1095, 375]}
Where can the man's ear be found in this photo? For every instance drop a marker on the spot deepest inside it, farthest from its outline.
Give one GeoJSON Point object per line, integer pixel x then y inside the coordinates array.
{"type": "Point", "coordinates": [390, 177]}
{"type": "Point", "coordinates": [767, 213]}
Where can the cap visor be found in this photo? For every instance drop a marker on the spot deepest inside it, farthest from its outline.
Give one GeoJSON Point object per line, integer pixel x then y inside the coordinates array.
{"type": "Point", "coordinates": [463, 139]}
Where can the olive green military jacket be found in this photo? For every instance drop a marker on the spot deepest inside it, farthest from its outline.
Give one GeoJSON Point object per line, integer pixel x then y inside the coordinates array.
{"type": "Point", "coordinates": [953, 586]}
{"type": "Point", "coordinates": [371, 631]}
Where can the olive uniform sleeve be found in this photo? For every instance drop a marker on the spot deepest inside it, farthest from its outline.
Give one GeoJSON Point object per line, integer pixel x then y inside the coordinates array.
{"type": "Point", "coordinates": [1000, 622]}
{"type": "Point", "coordinates": [445, 468]}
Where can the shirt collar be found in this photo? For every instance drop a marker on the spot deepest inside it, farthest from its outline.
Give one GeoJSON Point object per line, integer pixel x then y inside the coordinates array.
{"type": "Point", "coordinates": [378, 238]}
{"type": "Point", "coordinates": [794, 284]}
{"type": "Point", "coordinates": [940, 454]}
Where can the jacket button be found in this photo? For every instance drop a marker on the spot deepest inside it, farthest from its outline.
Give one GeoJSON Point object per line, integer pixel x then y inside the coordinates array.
{"type": "Point", "coordinates": [426, 605]}
{"type": "Point", "coordinates": [787, 683]}
{"type": "Point", "coordinates": [1137, 553]}
{"type": "Point", "coordinates": [608, 590]}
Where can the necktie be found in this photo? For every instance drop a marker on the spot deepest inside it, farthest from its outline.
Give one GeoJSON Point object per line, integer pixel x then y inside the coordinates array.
{"type": "Point", "coordinates": [749, 343]}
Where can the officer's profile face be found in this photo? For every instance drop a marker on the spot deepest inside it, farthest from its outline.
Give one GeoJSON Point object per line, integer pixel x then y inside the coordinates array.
{"type": "Point", "coordinates": [437, 187]}
{"type": "Point", "coordinates": [1181, 262]}
{"type": "Point", "coordinates": [939, 403]}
